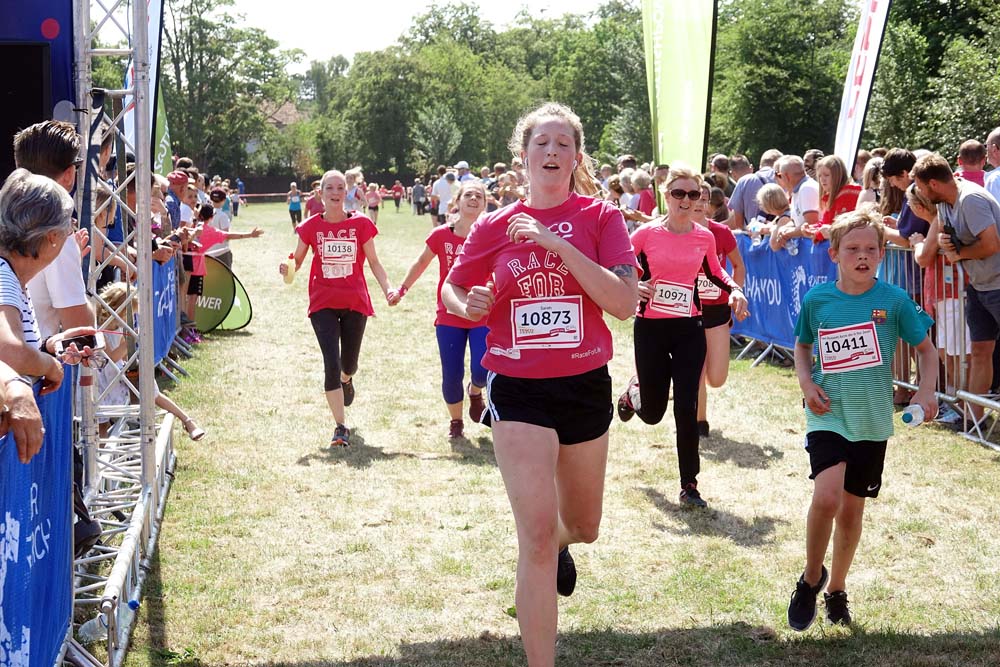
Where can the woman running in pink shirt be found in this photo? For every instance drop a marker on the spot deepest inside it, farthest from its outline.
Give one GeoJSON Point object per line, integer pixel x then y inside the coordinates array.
{"type": "Point", "coordinates": [669, 331]}
{"type": "Point", "coordinates": [543, 272]}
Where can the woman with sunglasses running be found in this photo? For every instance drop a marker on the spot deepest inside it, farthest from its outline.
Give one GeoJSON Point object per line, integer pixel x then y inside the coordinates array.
{"type": "Point", "coordinates": [669, 332]}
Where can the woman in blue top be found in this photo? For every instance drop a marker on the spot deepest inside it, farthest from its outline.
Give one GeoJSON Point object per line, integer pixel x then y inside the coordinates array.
{"type": "Point", "coordinates": [294, 200]}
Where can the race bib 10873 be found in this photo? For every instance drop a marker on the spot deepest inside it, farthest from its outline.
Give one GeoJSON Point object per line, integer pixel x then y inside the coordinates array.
{"type": "Point", "coordinates": [547, 322]}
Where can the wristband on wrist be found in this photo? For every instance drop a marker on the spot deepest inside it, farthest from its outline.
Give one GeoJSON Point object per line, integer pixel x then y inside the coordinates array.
{"type": "Point", "coordinates": [402, 290]}
{"type": "Point", "coordinates": [45, 346]}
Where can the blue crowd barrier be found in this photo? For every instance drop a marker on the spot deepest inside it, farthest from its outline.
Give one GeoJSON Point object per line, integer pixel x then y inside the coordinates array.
{"type": "Point", "coordinates": [775, 285]}
{"type": "Point", "coordinates": [36, 540]}
{"type": "Point", "coordinates": [165, 308]}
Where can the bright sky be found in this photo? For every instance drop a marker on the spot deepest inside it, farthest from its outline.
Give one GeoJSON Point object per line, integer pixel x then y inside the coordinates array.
{"type": "Point", "coordinates": [320, 29]}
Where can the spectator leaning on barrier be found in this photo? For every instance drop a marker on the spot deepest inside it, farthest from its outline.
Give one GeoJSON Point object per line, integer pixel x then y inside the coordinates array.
{"type": "Point", "coordinates": [896, 172]}
{"type": "Point", "coordinates": [968, 230]}
{"type": "Point", "coordinates": [58, 291]}
{"type": "Point", "coordinates": [743, 201]}
{"type": "Point", "coordinates": [803, 193]}
{"type": "Point", "coordinates": [993, 157]}
{"type": "Point", "coordinates": [36, 218]}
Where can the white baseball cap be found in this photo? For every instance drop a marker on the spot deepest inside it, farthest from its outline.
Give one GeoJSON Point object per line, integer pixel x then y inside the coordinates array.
{"type": "Point", "coordinates": [462, 165]}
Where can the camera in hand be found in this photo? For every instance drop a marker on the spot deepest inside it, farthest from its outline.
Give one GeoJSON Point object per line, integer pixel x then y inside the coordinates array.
{"type": "Point", "coordinates": [949, 229]}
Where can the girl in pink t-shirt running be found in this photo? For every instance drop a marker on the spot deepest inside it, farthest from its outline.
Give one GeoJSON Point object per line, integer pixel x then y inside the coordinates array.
{"type": "Point", "coordinates": [339, 304]}
{"type": "Point", "coordinates": [454, 333]}
{"type": "Point", "coordinates": [543, 272]}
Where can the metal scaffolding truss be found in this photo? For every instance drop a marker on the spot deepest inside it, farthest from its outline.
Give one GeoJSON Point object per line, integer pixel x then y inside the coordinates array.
{"type": "Point", "coordinates": [128, 468]}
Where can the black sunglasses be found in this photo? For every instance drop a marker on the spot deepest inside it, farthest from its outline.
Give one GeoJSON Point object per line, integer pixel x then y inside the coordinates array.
{"type": "Point", "coordinates": [693, 195]}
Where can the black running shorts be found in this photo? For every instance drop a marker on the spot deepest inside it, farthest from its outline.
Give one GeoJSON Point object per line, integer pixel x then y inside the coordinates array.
{"type": "Point", "coordinates": [716, 316]}
{"type": "Point", "coordinates": [577, 407]}
{"type": "Point", "coordinates": [864, 458]}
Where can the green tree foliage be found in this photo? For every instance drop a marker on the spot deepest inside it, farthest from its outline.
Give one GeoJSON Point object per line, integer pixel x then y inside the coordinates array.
{"type": "Point", "coordinates": [779, 74]}
{"type": "Point", "coordinates": [895, 115]}
{"type": "Point", "coordinates": [965, 96]}
{"type": "Point", "coordinates": [436, 136]}
{"type": "Point", "coordinates": [218, 79]}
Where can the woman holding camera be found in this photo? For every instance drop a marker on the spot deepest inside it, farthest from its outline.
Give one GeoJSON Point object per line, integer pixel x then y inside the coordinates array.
{"type": "Point", "coordinates": [36, 218]}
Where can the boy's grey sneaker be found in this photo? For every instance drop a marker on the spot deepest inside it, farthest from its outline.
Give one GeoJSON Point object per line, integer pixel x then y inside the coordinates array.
{"type": "Point", "coordinates": [802, 606]}
{"type": "Point", "coordinates": [837, 610]}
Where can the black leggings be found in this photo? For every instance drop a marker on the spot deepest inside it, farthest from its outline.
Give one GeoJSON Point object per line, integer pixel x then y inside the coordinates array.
{"type": "Point", "coordinates": [296, 215]}
{"type": "Point", "coordinates": [339, 332]}
{"type": "Point", "coordinates": [674, 349]}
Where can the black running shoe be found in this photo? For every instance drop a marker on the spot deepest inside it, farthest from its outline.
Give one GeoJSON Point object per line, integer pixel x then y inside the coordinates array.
{"type": "Point", "coordinates": [628, 400]}
{"type": "Point", "coordinates": [348, 391]}
{"type": "Point", "coordinates": [837, 610]}
{"type": "Point", "coordinates": [341, 436]}
{"type": "Point", "coordinates": [802, 606]}
{"type": "Point", "coordinates": [703, 429]}
{"type": "Point", "coordinates": [565, 573]}
{"type": "Point", "coordinates": [690, 496]}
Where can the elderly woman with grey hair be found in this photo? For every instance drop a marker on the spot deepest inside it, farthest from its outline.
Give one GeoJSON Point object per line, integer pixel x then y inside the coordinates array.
{"type": "Point", "coordinates": [35, 220]}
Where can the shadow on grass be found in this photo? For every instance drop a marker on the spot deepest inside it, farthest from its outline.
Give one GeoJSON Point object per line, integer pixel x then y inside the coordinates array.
{"type": "Point", "coordinates": [741, 454]}
{"type": "Point", "coordinates": [357, 455]}
{"type": "Point", "coordinates": [729, 645]}
{"type": "Point", "coordinates": [222, 335]}
{"type": "Point", "coordinates": [479, 452]}
{"type": "Point", "coordinates": [714, 522]}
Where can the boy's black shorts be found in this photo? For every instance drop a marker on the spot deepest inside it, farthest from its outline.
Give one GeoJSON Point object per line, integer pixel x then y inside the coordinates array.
{"type": "Point", "coordinates": [864, 458]}
{"type": "Point", "coordinates": [577, 407]}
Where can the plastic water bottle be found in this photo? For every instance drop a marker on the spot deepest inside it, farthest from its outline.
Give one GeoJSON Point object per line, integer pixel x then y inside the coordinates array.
{"type": "Point", "coordinates": [289, 265]}
{"type": "Point", "coordinates": [94, 630]}
{"type": "Point", "coordinates": [913, 415]}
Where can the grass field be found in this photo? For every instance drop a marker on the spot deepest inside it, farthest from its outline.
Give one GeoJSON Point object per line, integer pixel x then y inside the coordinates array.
{"type": "Point", "coordinates": [276, 550]}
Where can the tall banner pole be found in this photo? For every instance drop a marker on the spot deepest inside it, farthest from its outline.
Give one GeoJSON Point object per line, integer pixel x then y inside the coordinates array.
{"type": "Point", "coordinates": [860, 78]}
{"type": "Point", "coordinates": [679, 38]}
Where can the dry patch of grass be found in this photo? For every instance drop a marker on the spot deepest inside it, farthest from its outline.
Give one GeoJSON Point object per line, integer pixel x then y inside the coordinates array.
{"type": "Point", "coordinates": [401, 550]}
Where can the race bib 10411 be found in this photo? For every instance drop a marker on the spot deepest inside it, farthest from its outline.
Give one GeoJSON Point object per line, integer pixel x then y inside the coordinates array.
{"type": "Point", "coordinates": [849, 348]}
{"type": "Point", "coordinates": [671, 298]}
{"type": "Point", "coordinates": [547, 322]}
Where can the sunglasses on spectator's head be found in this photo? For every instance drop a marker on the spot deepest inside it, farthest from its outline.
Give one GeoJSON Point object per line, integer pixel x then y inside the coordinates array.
{"type": "Point", "coordinates": [693, 195]}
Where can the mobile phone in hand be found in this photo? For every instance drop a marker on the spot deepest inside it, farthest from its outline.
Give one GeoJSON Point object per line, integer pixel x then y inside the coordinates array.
{"type": "Point", "coordinates": [93, 341]}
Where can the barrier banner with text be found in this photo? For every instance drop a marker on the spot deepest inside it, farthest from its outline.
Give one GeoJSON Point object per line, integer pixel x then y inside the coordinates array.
{"type": "Point", "coordinates": [165, 303]}
{"type": "Point", "coordinates": [36, 540]}
{"type": "Point", "coordinates": [776, 283]}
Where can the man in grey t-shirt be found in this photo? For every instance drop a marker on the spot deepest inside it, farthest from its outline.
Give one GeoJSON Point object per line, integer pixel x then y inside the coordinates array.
{"type": "Point", "coordinates": [967, 229]}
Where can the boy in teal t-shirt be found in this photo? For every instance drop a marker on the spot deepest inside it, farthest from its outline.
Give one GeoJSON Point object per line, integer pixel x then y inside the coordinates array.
{"type": "Point", "coordinates": [853, 325]}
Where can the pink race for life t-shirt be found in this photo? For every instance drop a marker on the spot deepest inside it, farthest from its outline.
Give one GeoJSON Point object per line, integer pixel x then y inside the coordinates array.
{"type": "Point", "coordinates": [543, 324]}
{"type": "Point", "coordinates": [710, 293]}
{"type": "Point", "coordinates": [209, 237]}
{"type": "Point", "coordinates": [336, 277]}
{"type": "Point", "coordinates": [673, 262]}
{"type": "Point", "coordinates": [446, 245]}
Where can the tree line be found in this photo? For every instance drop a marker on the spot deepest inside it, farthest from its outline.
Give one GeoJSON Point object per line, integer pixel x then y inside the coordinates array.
{"type": "Point", "coordinates": [453, 86]}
